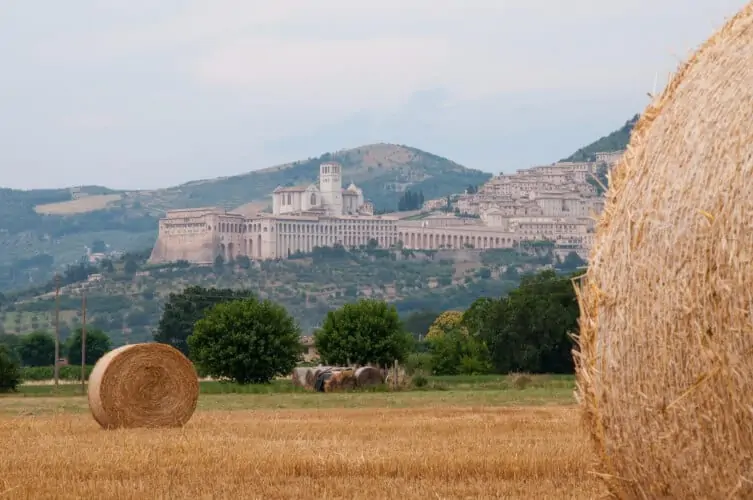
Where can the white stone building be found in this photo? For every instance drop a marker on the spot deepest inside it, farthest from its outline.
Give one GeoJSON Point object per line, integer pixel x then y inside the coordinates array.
{"type": "Point", "coordinates": [543, 203]}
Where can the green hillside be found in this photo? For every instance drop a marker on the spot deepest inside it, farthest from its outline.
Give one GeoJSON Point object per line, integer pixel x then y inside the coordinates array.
{"type": "Point", "coordinates": [131, 293]}
{"type": "Point", "coordinates": [41, 230]}
{"type": "Point", "coordinates": [616, 141]}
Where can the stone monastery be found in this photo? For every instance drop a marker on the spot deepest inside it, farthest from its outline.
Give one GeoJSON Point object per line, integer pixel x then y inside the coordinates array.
{"type": "Point", "coordinates": [554, 203]}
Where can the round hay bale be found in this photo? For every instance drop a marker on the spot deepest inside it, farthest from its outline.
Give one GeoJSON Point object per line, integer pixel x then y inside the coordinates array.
{"type": "Point", "coordinates": [310, 378]}
{"type": "Point", "coordinates": [664, 366]}
{"type": "Point", "coordinates": [368, 376]}
{"type": "Point", "coordinates": [143, 385]}
{"type": "Point", "coordinates": [298, 377]}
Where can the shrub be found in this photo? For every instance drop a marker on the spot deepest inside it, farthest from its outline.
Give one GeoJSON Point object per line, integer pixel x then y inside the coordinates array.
{"type": "Point", "coordinates": [10, 371]}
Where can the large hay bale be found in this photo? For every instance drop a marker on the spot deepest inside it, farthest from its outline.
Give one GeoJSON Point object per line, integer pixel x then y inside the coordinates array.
{"type": "Point", "coordinates": [665, 373]}
{"type": "Point", "coordinates": [143, 385]}
{"type": "Point", "coordinates": [368, 376]}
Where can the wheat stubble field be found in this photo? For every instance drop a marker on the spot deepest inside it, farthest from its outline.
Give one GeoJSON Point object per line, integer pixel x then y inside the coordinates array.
{"type": "Point", "coordinates": [412, 445]}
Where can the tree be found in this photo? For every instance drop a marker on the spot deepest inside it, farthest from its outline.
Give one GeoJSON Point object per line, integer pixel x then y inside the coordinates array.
{"type": "Point", "coordinates": [12, 342]}
{"type": "Point", "coordinates": [10, 370]}
{"type": "Point", "coordinates": [445, 322]}
{"type": "Point", "coordinates": [97, 344]}
{"type": "Point", "coordinates": [571, 262]}
{"type": "Point", "coordinates": [368, 331]}
{"type": "Point", "coordinates": [474, 317]}
{"type": "Point", "coordinates": [130, 266]}
{"type": "Point", "coordinates": [219, 264]}
{"type": "Point", "coordinates": [456, 352]}
{"type": "Point", "coordinates": [530, 329]}
{"type": "Point", "coordinates": [247, 341]}
{"type": "Point", "coordinates": [37, 349]}
{"type": "Point", "coordinates": [182, 311]}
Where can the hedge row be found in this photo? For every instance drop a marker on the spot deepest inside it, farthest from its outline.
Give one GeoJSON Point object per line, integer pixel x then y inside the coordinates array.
{"type": "Point", "coordinates": [67, 372]}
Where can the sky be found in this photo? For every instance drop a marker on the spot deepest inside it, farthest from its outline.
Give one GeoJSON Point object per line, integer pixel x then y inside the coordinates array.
{"type": "Point", "coordinates": [138, 94]}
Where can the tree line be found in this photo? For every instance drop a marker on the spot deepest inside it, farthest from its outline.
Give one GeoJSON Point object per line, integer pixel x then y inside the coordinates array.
{"type": "Point", "coordinates": [236, 335]}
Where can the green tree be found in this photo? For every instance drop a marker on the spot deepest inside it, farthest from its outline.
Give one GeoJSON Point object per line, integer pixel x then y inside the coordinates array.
{"type": "Point", "coordinates": [456, 352]}
{"type": "Point", "coordinates": [10, 370]}
{"type": "Point", "coordinates": [182, 311]}
{"type": "Point", "coordinates": [247, 341]}
{"type": "Point", "coordinates": [473, 317]}
{"type": "Point", "coordinates": [368, 331]}
{"type": "Point", "coordinates": [130, 266]}
{"type": "Point", "coordinates": [530, 329]}
{"type": "Point", "coordinates": [37, 349]}
{"type": "Point", "coordinates": [97, 344]}
{"type": "Point", "coordinates": [12, 342]}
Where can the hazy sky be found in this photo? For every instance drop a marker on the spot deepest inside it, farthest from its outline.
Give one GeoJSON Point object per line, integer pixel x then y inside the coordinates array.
{"type": "Point", "coordinates": [145, 94]}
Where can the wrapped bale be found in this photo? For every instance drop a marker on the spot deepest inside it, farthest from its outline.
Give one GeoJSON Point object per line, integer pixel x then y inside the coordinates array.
{"type": "Point", "coordinates": [143, 385]}
{"type": "Point", "coordinates": [664, 366]}
{"type": "Point", "coordinates": [368, 376]}
{"type": "Point", "coordinates": [340, 380]}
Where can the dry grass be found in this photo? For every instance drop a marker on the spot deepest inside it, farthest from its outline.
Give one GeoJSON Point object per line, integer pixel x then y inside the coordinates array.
{"type": "Point", "coordinates": [435, 452]}
{"type": "Point", "coordinates": [79, 206]}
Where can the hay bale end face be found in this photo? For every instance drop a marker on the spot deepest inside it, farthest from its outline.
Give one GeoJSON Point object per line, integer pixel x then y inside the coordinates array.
{"type": "Point", "coordinates": [664, 366]}
{"type": "Point", "coordinates": [368, 376]}
{"type": "Point", "coordinates": [143, 385]}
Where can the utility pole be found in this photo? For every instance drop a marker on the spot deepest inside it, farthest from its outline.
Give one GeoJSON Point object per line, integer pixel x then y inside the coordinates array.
{"type": "Point", "coordinates": [83, 342]}
{"type": "Point", "coordinates": [56, 368]}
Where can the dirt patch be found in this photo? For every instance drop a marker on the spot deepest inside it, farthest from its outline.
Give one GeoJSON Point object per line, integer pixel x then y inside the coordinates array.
{"type": "Point", "coordinates": [79, 206]}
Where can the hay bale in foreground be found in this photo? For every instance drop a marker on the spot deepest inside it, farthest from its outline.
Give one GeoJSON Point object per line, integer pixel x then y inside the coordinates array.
{"type": "Point", "coordinates": [368, 376]}
{"type": "Point", "coordinates": [143, 385]}
{"type": "Point", "coordinates": [664, 369]}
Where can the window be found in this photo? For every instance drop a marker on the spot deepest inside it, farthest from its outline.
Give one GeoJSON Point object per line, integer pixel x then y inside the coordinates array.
{"type": "Point", "coordinates": [313, 198]}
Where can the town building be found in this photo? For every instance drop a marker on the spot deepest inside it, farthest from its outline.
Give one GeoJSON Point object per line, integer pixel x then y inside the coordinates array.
{"type": "Point", "coordinates": [554, 202]}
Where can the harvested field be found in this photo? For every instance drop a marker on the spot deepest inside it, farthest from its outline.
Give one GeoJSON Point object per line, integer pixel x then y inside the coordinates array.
{"type": "Point", "coordinates": [430, 450]}
{"type": "Point", "coordinates": [79, 206]}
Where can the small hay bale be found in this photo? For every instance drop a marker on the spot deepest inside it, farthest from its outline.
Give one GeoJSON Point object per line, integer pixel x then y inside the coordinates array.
{"type": "Point", "coordinates": [340, 380]}
{"type": "Point", "coordinates": [298, 377]}
{"type": "Point", "coordinates": [310, 378]}
{"type": "Point", "coordinates": [143, 385]}
{"type": "Point", "coordinates": [368, 376]}
{"type": "Point", "coordinates": [664, 366]}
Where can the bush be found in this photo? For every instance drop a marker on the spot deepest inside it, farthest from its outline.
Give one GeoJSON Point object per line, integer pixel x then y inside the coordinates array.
{"type": "Point", "coordinates": [67, 372]}
{"type": "Point", "coordinates": [419, 361]}
{"type": "Point", "coordinates": [247, 341]}
{"type": "Point", "coordinates": [10, 371]}
{"type": "Point", "coordinates": [420, 380]}
{"type": "Point", "coordinates": [368, 331]}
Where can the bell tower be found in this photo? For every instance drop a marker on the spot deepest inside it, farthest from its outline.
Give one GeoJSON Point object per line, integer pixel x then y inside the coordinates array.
{"type": "Point", "coordinates": [330, 187]}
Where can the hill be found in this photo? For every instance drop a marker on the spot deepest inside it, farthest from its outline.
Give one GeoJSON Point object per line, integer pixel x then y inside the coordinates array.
{"type": "Point", "coordinates": [130, 293]}
{"type": "Point", "coordinates": [615, 141]}
{"type": "Point", "coordinates": [44, 229]}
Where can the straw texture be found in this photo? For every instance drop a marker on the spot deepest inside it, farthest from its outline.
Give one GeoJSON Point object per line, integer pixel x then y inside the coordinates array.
{"type": "Point", "coordinates": [664, 368]}
{"type": "Point", "coordinates": [143, 385]}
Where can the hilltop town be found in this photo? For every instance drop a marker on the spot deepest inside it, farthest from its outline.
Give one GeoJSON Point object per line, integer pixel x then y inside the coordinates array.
{"type": "Point", "coordinates": [555, 203]}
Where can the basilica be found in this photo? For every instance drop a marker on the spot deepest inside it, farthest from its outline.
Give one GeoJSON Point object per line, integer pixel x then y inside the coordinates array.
{"type": "Point", "coordinates": [542, 203]}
